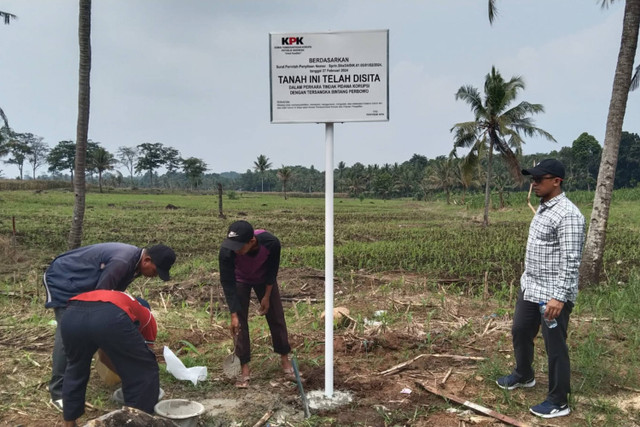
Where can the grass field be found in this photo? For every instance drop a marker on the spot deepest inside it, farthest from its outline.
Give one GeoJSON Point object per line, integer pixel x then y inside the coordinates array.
{"type": "Point", "coordinates": [446, 285]}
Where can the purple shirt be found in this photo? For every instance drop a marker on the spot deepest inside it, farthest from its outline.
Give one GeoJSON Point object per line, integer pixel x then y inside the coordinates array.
{"type": "Point", "coordinates": [254, 268]}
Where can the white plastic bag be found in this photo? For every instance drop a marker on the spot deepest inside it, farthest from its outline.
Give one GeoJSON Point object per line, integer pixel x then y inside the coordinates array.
{"type": "Point", "coordinates": [176, 368]}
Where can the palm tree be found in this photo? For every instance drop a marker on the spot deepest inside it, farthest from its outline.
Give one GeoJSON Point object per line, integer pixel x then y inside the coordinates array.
{"type": "Point", "coordinates": [102, 160]}
{"type": "Point", "coordinates": [82, 129]}
{"type": "Point", "coordinates": [441, 176]}
{"type": "Point", "coordinates": [7, 17]}
{"type": "Point", "coordinates": [342, 167]}
{"type": "Point", "coordinates": [592, 257]}
{"type": "Point", "coordinates": [635, 80]}
{"type": "Point", "coordinates": [463, 173]}
{"type": "Point", "coordinates": [5, 133]}
{"type": "Point", "coordinates": [404, 181]}
{"type": "Point", "coordinates": [496, 126]}
{"type": "Point", "coordinates": [623, 81]}
{"type": "Point", "coordinates": [503, 181]}
{"type": "Point", "coordinates": [262, 165]}
{"type": "Point", "coordinates": [285, 173]}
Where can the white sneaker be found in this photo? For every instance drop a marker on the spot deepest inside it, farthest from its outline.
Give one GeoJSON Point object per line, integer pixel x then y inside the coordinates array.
{"type": "Point", "coordinates": [57, 404]}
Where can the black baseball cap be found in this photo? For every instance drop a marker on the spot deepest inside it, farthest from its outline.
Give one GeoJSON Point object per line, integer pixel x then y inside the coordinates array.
{"type": "Point", "coordinates": [163, 258]}
{"type": "Point", "coordinates": [547, 166]}
{"type": "Point", "coordinates": [239, 234]}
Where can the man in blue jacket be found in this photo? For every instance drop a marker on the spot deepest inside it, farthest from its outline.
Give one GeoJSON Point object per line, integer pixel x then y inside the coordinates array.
{"type": "Point", "coordinates": [110, 266]}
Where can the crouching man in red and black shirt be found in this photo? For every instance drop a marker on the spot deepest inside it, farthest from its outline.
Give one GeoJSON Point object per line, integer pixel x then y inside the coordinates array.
{"type": "Point", "coordinates": [121, 327]}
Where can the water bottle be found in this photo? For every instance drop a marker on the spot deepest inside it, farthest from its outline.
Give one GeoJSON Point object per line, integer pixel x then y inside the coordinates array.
{"type": "Point", "coordinates": [551, 323]}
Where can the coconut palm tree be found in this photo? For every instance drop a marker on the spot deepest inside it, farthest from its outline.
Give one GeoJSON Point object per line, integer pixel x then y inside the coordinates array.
{"type": "Point", "coordinates": [7, 17]}
{"type": "Point", "coordinates": [262, 165]}
{"type": "Point", "coordinates": [5, 134]}
{"type": "Point", "coordinates": [441, 176]}
{"type": "Point", "coordinates": [593, 254]}
{"type": "Point", "coordinates": [82, 128]}
{"type": "Point", "coordinates": [623, 81]}
{"type": "Point", "coordinates": [342, 167]}
{"type": "Point", "coordinates": [285, 173]}
{"type": "Point", "coordinates": [496, 126]}
{"type": "Point", "coordinates": [463, 173]}
{"type": "Point", "coordinates": [102, 160]}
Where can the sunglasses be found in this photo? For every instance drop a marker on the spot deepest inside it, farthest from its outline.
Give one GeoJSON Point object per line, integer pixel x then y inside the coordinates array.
{"type": "Point", "coordinates": [539, 179]}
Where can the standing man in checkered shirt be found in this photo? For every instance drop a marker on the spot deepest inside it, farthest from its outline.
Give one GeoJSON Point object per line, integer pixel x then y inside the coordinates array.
{"type": "Point", "coordinates": [554, 250]}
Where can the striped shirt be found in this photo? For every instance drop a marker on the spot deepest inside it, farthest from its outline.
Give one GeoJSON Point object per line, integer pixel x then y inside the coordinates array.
{"type": "Point", "coordinates": [554, 250]}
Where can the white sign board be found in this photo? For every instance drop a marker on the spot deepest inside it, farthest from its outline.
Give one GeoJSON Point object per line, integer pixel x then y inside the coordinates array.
{"type": "Point", "coordinates": [329, 77]}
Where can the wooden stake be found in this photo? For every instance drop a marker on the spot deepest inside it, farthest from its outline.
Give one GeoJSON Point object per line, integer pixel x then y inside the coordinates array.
{"type": "Point", "coordinates": [485, 296]}
{"type": "Point", "coordinates": [486, 328]}
{"type": "Point", "coordinates": [264, 419]}
{"type": "Point", "coordinates": [403, 365]}
{"type": "Point", "coordinates": [163, 303]}
{"type": "Point", "coordinates": [627, 388]}
{"type": "Point", "coordinates": [446, 377]}
{"type": "Point", "coordinates": [474, 406]}
{"type": "Point", "coordinates": [210, 304]}
{"type": "Point", "coordinates": [511, 291]}
{"type": "Point", "coordinates": [13, 236]}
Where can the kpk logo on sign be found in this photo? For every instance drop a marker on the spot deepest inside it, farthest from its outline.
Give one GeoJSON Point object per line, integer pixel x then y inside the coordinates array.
{"type": "Point", "coordinates": [290, 41]}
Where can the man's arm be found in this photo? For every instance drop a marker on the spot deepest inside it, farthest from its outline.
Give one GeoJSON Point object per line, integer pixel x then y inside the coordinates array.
{"type": "Point", "coordinates": [271, 276]}
{"type": "Point", "coordinates": [115, 276]}
{"type": "Point", "coordinates": [571, 239]}
{"type": "Point", "coordinates": [227, 268]}
{"type": "Point", "coordinates": [273, 261]}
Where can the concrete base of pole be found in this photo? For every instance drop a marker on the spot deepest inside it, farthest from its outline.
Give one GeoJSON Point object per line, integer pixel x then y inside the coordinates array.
{"type": "Point", "coordinates": [318, 400]}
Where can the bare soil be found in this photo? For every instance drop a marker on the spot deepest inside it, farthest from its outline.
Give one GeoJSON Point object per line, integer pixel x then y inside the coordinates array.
{"type": "Point", "coordinates": [452, 330]}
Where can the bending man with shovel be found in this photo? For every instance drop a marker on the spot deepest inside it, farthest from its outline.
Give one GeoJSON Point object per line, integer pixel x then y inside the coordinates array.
{"type": "Point", "coordinates": [250, 260]}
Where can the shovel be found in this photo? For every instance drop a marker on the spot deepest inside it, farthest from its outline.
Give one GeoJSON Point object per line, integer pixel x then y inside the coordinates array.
{"type": "Point", "coordinates": [231, 364]}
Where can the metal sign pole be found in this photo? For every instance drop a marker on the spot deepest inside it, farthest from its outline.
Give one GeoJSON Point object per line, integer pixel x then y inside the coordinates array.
{"type": "Point", "coordinates": [328, 262]}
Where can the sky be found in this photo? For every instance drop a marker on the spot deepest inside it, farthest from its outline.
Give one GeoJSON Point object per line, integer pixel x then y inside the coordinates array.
{"type": "Point", "coordinates": [194, 75]}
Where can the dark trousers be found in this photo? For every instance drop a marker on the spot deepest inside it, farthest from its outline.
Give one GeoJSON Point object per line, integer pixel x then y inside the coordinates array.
{"type": "Point", "coordinates": [58, 359]}
{"type": "Point", "coordinates": [275, 320]}
{"type": "Point", "coordinates": [526, 323]}
{"type": "Point", "coordinates": [87, 326]}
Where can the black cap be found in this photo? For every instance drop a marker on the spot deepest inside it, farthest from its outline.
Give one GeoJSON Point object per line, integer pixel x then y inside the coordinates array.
{"type": "Point", "coordinates": [547, 166]}
{"type": "Point", "coordinates": [163, 257]}
{"type": "Point", "coordinates": [239, 234]}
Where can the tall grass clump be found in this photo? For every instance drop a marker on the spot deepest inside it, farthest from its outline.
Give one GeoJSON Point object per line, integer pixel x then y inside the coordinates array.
{"type": "Point", "coordinates": [608, 350]}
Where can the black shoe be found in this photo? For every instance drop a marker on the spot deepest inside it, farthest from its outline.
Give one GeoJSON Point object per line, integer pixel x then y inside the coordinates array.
{"type": "Point", "coordinates": [510, 382]}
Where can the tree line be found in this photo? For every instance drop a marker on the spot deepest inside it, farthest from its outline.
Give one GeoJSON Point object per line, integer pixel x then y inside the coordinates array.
{"type": "Point", "coordinates": [496, 127]}
{"type": "Point", "coordinates": [417, 177]}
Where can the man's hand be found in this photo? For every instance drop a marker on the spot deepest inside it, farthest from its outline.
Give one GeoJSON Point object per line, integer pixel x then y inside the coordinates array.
{"type": "Point", "coordinates": [264, 305]}
{"type": "Point", "coordinates": [235, 324]}
{"type": "Point", "coordinates": [554, 307]}
{"type": "Point", "coordinates": [264, 302]}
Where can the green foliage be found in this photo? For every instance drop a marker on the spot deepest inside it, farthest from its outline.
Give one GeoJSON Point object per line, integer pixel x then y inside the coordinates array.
{"type": "Point", "coordinates": [436, 253]}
